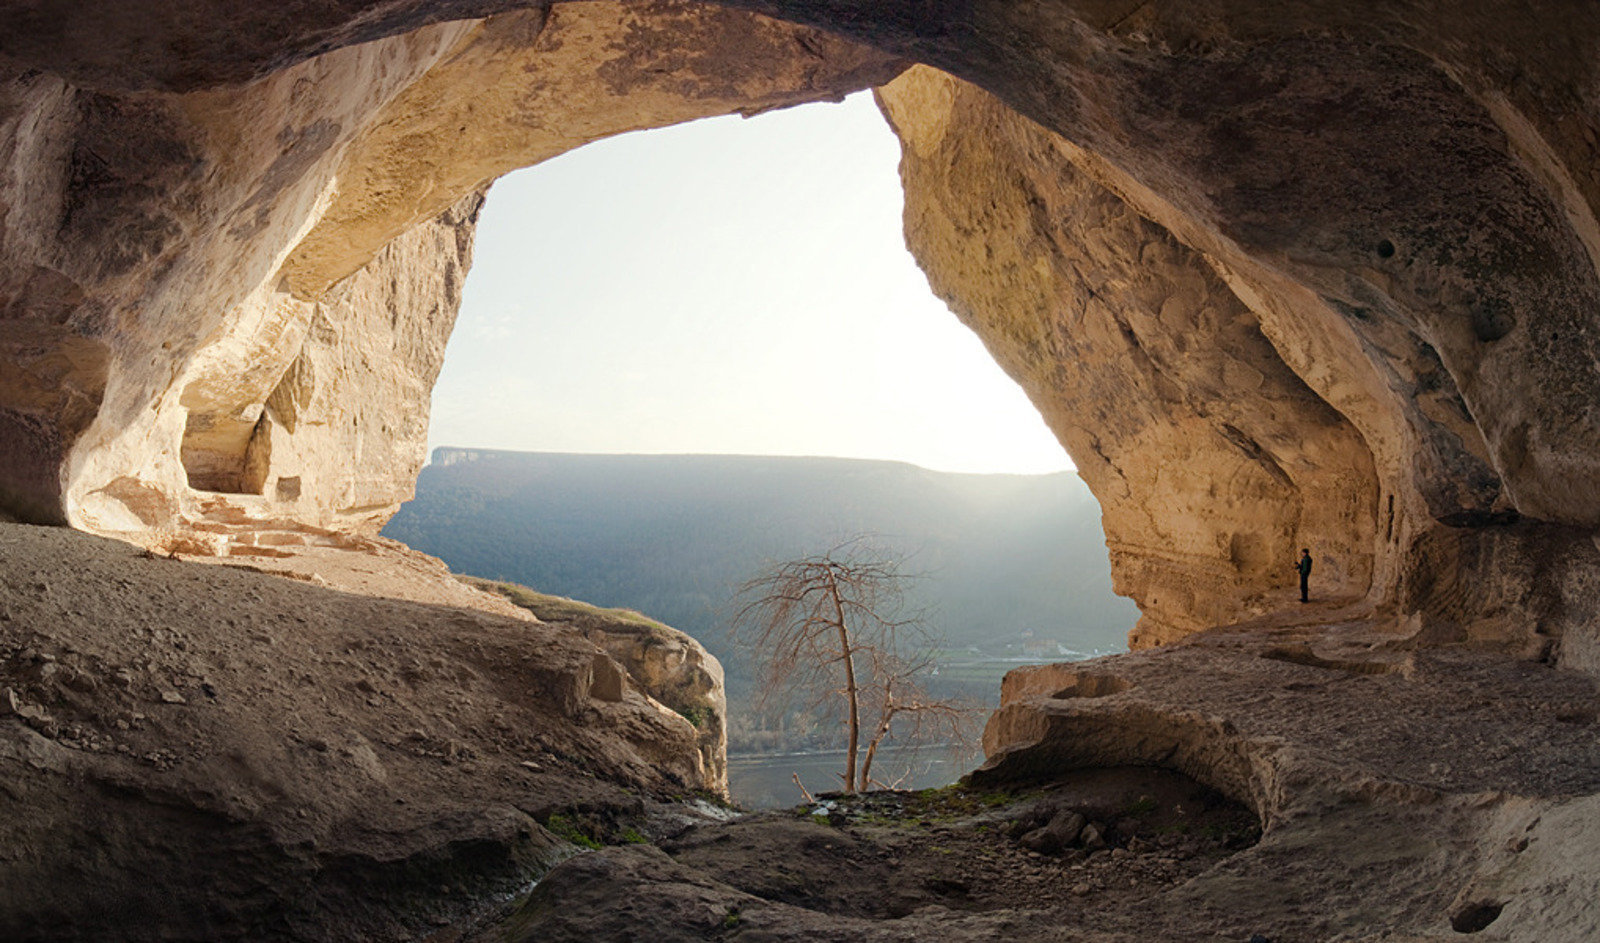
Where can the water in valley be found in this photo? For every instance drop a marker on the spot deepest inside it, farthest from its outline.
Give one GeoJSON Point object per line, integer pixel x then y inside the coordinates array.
{"type": "Point", "coordinates": [766, 781]}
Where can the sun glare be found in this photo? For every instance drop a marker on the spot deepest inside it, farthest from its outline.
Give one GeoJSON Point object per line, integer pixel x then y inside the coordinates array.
{"type": "Point", "coordinates": [724, 286]}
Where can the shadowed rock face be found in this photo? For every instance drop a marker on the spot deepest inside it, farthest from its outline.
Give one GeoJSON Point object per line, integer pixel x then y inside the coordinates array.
{"type": "Point", "coordinates": [195, 752]}
{"type": "Point", "coordinates": [1277, 274]}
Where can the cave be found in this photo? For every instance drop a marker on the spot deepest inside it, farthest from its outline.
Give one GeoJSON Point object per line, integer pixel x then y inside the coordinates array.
{"type": "Point", "coordinates": [1275, 277]}
{"type": "Point", "coordinates": [1232, 385]}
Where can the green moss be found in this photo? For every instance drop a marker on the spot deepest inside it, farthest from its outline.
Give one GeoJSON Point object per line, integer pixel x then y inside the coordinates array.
{"type": "Point", "coordinates": [549, 608]}
{"type": "Point", "coordinates": [567, 829]}
{"type": "Point", "coordinates": [632, 836]}
{"type": "Point", "coordinates": [957, 801]}
{"type": "Point", "coordinates": [875, 818]}
{"type": "Point", "coordinates": [1144, 805]}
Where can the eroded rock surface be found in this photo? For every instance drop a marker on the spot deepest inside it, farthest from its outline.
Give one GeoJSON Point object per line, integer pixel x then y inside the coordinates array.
{"type": "Point", "coordinates": [939, 864]}
{"type": "Point", "coordinates": [1404, 791]}
{"type": "Point", "coordinates": [1278, 276]}
{"type": "Point", "coordinates": [1227, 405]}
{"type": "Point", "coordinates": [661, 661]}
{"type": "Point", "coordinates": [1212, 460]}
{"type": "Point", "coordinates": [228, 303]}
{"type": "Point", "coordinates": [203, 753]}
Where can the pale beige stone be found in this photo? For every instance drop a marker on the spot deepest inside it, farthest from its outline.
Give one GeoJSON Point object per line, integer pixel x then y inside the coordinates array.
{"type": "Point", "coordinates": [149, 389]}
{"type": "Point", "coordinates": [1305, 273]}
{"type": "Point", "coordinates": [1316, 279]}
{"type": "Point", "coordinates": [1212, 460]}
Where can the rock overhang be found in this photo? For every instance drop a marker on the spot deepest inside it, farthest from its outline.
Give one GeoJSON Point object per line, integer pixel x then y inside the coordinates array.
{"type": "Point", "coordinates": [1276, 275]}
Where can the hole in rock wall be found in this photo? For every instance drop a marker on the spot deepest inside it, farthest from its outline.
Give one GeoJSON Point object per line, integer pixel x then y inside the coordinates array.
{"type": "Point", "coordinates": [1475, 917]}
{"type": "Point", "coordinates": [726, 286]}
{"type": "Point", "coordinates": [742, 288]}
{"type": "Point", "coordinates": [228, 452]}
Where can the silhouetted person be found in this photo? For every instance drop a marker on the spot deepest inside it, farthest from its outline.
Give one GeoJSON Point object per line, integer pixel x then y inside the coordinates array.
{"type": "Point", "coordinates": [1304, 566]}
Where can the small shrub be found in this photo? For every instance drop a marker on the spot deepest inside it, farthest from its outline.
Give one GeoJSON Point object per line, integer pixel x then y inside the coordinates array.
{"type": "Point", "coordinates": [695, 715]}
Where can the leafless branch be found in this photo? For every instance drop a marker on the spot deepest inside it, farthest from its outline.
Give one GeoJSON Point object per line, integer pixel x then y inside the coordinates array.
{"type": "Point", "coordinates": [831, 627]}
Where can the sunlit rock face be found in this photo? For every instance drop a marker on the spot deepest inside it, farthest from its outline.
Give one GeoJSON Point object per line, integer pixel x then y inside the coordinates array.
{"type": "Point", "coordinates": [1224, 415]}
{"type": "Point", "coordinates": [228, 281]}
{"type": "Point", "coordinates": [1402, 209]}
{"type": "Point", "coordinates": [1277, 274]}
{"type": "Point", "coordinates": [1311, 341]}
{"type": "Point", "coordinates": [1213, 461]}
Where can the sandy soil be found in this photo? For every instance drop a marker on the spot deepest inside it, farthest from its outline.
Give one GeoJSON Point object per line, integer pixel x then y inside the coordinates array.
{"type": "Point", "coordinates": [285, 760]}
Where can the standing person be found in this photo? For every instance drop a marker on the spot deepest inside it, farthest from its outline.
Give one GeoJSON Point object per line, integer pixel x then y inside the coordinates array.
{"type": "Point", "coordinates": [1304, 566]}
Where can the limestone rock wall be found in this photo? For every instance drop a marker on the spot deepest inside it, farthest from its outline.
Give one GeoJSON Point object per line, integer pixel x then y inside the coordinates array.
{"type": "Point", "coordinates": [1404, 201]}
{"type": "Point", "coordinates": [1222, 412]}
{"type": "Point", "coordinates": [319, 414]}
{"type": "Point", "coordinates": [1278, 274]}
{"type": "Point", "coordinates": [226, 294]}
{"type": "Point", "coordinates": [1213, 461]}
{"type": "Point", "coordinates": [168, 216]}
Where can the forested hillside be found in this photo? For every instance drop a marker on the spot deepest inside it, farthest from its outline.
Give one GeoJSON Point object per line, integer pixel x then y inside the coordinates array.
{"type": "Point", "coordinates": [1013, 566]}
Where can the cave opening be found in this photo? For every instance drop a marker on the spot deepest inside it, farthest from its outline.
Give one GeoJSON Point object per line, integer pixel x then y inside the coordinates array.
{"type": "Point", "coordinates": [725, 286]}
{"type": "Point", "coordinates": [227, 454]}
{"type": "Point", "coordinates": [741, 287]}
{"type": "Point", "coordinates": [305, 387]}
{"type": "Point", "coordinates": [1266, 276]}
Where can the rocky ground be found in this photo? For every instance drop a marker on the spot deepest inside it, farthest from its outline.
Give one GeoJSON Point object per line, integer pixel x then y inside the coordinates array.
{"type": "Point", "coordinates": [193, 752]}
{"type": "Point", "coordinates": [1403, 793]}
{"type": "Point", "coordinates": [1097, 840]}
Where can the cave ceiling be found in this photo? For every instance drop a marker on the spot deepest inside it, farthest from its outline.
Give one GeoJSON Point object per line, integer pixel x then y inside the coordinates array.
{"type": "Point", "coordinates": [1276, 274]}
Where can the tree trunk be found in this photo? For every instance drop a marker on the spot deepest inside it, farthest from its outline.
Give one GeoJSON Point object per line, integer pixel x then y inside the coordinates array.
{"type": "Point", "coordinates": [851, 691]}
{"type": "Point", "coordinates": [872, 747]}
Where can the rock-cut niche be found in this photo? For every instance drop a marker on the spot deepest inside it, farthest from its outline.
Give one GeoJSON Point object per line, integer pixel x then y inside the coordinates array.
{"type": "Point", "coordinates": [1273, 281]}
{"type": "Point", "coordinates": [224, 452]}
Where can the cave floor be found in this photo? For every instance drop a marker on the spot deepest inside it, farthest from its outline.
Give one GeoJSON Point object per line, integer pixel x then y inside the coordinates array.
{"type": "Point", "coordinates": [199, 753]}
{"type": "Point", "coordinates": [1402, 791]}
{"type": "Point", "coordinates": [902, 863]}
{"type": "Point", "coordinates": [209, 753]}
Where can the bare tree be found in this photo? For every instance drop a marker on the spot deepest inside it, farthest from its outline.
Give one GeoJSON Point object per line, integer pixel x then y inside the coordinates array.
{"type": "Point", "coordinates": [831, 628]}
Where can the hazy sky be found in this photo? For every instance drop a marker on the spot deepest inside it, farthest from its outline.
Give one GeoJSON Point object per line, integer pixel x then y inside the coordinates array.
{"type": "Point", "coordinates": [728, 285]}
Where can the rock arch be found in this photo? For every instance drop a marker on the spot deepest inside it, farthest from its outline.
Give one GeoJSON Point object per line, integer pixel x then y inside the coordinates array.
{"type": "Point", "coordinates": [1277, 275]}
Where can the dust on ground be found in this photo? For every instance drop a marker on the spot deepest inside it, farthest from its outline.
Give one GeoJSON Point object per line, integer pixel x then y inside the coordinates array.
{"type": "Point", "coordinates": [206, 752]}
{"type": "Point", "coordinates": [1095, 839]}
